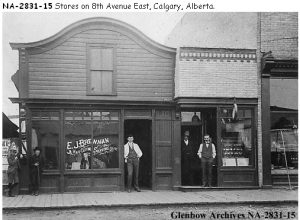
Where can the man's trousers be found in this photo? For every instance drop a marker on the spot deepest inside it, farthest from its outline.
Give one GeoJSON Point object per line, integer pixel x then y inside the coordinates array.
{"type": "Point", "coordinates": [133, 171]}
{"type": "Point", "coordinates": [206, 164]}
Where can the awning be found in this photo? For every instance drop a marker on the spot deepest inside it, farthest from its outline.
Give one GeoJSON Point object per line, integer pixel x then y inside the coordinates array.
{"type": "Point", "coordinates": [9, 129]}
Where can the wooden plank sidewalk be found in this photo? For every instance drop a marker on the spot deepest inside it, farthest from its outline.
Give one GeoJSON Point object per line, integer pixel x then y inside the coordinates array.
{"type": "Point", "coordinates": [149, 198]}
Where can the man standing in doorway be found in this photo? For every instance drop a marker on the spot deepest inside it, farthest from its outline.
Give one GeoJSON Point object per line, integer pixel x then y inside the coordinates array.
{"type": "Point", "coordinates": [207, 153]}
{"type": "Point", "coordinates": [187, 156]}
{"type": "Point", "coordinates": [132, 155]}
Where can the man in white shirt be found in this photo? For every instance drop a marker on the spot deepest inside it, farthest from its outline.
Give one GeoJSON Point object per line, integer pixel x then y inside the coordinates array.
{"type": "Point", "coordinates": [207, 153]}
{"type": "Point", "coordinates": [132, 155]}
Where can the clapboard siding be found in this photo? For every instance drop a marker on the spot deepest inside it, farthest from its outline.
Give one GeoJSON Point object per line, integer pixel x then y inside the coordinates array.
{"type": "Point", "coordinates": [141, 72]}
{"type": "Point", "coordinates": [52, 83]}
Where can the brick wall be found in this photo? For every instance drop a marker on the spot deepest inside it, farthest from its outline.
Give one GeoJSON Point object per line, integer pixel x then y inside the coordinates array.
{"type": "Point", "coordinates": [279, 34]}
{"type": "Point", "coordinates": [216, 78]}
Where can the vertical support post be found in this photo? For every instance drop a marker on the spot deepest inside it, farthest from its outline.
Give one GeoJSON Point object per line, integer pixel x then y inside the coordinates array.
{"type": "Point", "coordinates": [266, 142]}
{"type": "Point", "coordinates": [154, 184]}
{"type": "Point", "coordinates": [176, 148]}
{"type": "Point", "coordinates": [62, 153]}
{"type": "Point", "coordinates": [121, 151]}
{"type": "Point", "coordinates": [219, 148]}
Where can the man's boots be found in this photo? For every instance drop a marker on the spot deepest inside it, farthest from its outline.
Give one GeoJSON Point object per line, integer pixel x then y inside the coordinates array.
{"type": "Point", "coordinates": [10, 187]}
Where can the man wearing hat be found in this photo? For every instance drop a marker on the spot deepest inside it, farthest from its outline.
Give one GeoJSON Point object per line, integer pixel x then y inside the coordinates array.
{"type": "Point", "coordinates": [13, 168]}
{"type": "Point", "coordinates": [132, 155]}
{"type": "Point", "coordinates": [187, 159]}
{"type": "Point", "coordinates": [36, 166]}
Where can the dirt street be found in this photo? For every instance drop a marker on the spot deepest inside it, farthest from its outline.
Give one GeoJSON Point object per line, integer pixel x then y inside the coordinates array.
{"type": "Point", "coordinates": [288, 211]}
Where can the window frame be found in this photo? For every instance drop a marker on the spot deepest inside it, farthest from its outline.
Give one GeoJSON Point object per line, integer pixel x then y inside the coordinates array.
{"type": "Point", "coordinates": [90, 46]}
{"type": "Point", "coordinates": [92, 120]}
{"type": "Point", "coordinates": [32, 119]}
{"type": "Point", "coordinates": [253, 138]}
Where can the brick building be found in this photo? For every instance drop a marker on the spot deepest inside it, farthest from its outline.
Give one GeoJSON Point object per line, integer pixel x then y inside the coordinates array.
{"type": "Point", "coordinates": [216, 66]}
{"type": "Point", "coordinates": [279, 47]}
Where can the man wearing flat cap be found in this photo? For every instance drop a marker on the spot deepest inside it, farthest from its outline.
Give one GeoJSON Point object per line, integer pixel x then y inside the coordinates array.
{"type": "Point", "coordinates": [187, 159]}
{"type": "Point", "coordinates": [36, 167]}
{"type": "Point", "coordinates": [132, 155]}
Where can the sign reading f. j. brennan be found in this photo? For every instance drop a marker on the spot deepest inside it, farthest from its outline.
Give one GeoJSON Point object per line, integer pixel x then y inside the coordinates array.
{"type": "Point", "coordinates": [102, 146]}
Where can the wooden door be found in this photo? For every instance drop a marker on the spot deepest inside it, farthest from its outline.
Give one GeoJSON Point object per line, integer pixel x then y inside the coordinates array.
{"type": "Point", "coordinates": [163, 169]}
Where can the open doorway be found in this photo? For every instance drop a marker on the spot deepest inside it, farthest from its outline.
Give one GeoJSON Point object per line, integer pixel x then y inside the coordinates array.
{"type": "Point", "coordinates": [141, 129]}
{"type": "Point", "coordinates": [190, 176]}
{"type": "Point", "coordinates": [197, 127]}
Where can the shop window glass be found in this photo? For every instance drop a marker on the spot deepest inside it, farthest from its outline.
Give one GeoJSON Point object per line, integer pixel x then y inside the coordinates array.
{"type": "Point", "coordinates": [45, 115]}
{"type": "Point", "coordinates": [92, 142]}
{"type": "Point", "coordinates": [105, 145]}
{"type": "Point", "coordinates": [284, 124]}
{"type": "Point", "coordinates": [78, 140]}
{"type": "Point", "coordinates": [284, 148]}
{"type": "Point", "coordinates": [190, 116]}
{"type": "Point", "coordinates": [236, 138]}
{"type": "Point", "coordinates": [45, 134]}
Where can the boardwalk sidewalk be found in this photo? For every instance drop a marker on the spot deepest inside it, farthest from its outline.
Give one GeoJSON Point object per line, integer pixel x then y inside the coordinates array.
{"type": "Point", "coordinates": [149, 198]}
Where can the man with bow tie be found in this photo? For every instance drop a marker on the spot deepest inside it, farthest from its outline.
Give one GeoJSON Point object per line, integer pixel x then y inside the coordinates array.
{"type": "Point", "coordinates": [132, 155]}
{"type": "Point", "coordinates": [207, 153]}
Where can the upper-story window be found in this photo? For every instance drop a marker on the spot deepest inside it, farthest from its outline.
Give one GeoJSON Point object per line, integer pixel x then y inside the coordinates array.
{"type": "Point", "coordinates": [100, 70]}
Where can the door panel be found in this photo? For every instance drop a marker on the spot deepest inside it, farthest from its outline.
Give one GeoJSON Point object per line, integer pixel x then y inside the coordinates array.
{"type": "Point", "coordinates": [163, 143]}
{"type": "Point", "coordinates": [163, 149]}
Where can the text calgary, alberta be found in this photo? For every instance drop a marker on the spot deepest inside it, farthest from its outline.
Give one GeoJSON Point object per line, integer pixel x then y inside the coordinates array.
{"type": "Point", "coordinates": [136, 6]}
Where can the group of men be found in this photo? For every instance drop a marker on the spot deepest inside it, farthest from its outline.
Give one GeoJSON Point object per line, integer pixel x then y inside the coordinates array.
{"type": "Point", "coordinates": [132, 155]}
{"type": "Point", "coordinates": [35, 164]}
{"type": "Point", "coordinates": [206, 153]}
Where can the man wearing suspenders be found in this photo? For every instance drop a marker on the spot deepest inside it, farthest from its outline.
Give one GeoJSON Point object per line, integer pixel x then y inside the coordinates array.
{"type": "Point", "coordinates": [132, 155]}
{"type": "Point", "coordinates": [207, 153]}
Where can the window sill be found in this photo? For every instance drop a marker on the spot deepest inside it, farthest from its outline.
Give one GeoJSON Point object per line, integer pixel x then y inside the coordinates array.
{"type": "Point", "coordinates": [101, 94]}
{"type": "Point", "coordinates": [51, 172]}
{"type": "Point", "coordinates": [284, 171]}
{"type": "Point", "coordinates": [225, 168]}
{"type": "Point", "coordinates": [93, 172]}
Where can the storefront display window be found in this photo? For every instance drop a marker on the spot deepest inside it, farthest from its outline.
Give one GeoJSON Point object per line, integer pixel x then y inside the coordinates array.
{"type": "Point", "coordinates": [91, 140]}
{"type": "Point", "coordinates": [236, 137]}
{"type": "Point", "coordinates": [45, 134]}
{"type": "Point", "coordinates": [284, 148]}
{"type": "Point", "coordinates": [284, 124]}
{"type": "Point", "coordinates": [105, 144]}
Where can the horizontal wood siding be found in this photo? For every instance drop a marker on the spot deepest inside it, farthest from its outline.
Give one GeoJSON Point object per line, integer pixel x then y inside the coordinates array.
{"type": "Point", "coordinates": [141, 73]}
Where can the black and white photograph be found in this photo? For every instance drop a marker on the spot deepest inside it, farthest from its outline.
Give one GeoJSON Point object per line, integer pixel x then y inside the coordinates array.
{"type": "Point", "coordinates": [150, 115]}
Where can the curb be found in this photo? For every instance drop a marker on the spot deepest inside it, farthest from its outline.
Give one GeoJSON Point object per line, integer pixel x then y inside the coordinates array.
{"type": "Point", "coordinates": [152, 205]}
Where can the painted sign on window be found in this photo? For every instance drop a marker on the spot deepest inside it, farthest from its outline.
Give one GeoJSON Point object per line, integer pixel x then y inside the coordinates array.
{"type": "Point", "coordinates": [100, 146]}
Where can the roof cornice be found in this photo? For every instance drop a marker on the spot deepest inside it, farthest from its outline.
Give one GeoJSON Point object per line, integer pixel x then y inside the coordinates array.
{"type": "Point", "coordinates": [95, 20]}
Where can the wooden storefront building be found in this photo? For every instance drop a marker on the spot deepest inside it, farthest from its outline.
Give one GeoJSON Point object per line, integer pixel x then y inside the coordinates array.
{"type": "Point", "coordinates": [84, 89]}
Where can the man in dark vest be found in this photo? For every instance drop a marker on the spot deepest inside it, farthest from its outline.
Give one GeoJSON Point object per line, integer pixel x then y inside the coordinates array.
{"type": "Point", "coordinates": [187, 158]}
{"type": "Point", "coordinates": [132, 155]}
{"type": "Point", "coordinates": [207, 153]}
